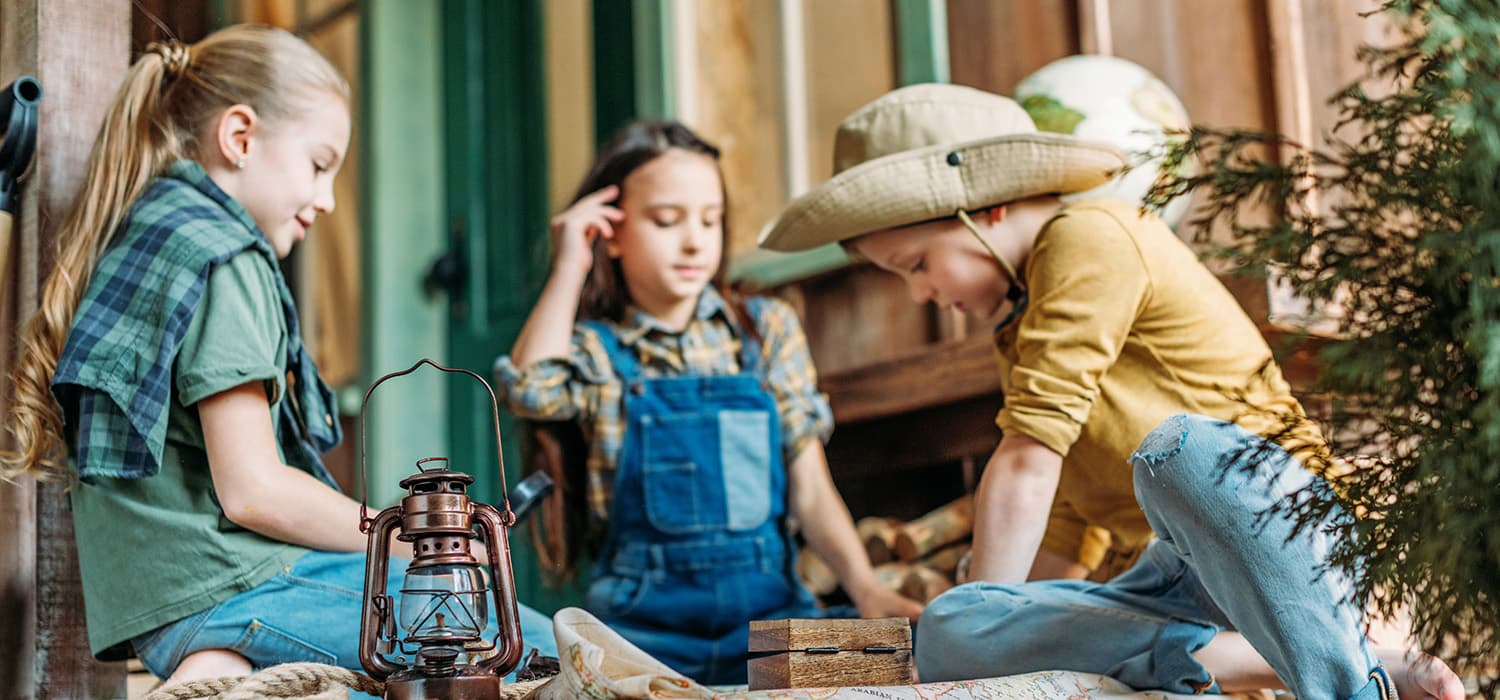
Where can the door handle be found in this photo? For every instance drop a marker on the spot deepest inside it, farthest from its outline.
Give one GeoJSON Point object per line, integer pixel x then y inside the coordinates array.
{"type": "Point", "coordinates": [449, 272]}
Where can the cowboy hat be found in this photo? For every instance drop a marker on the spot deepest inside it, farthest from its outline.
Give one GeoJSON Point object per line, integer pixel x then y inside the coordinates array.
{"type": "Point", "coordinates": [924, 152]}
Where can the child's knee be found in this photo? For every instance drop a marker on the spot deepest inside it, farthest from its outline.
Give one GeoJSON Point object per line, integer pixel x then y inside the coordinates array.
{"type": "Point", "coordinates": [959, 628]}
{"type": "Point", "coordinates": [1185, 455]}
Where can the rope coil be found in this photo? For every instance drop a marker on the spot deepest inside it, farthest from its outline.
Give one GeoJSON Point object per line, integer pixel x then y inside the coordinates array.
{"type": "Point", "coordinates": [303, 681]}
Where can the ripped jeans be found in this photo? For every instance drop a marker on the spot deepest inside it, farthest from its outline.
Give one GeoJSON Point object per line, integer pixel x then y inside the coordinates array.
{"type": "Point", "coordinates": [1217, 564]}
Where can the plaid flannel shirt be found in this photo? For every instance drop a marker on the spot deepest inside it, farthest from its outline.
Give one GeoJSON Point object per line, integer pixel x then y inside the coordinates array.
{"type": "Point", "coordinates": [114, 378]}
{"type": "Point", "coordinates": [583, 386]}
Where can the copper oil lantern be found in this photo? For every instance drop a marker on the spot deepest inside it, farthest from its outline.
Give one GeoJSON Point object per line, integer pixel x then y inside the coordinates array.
{"type": "Point", "coordinates": [422, 643]}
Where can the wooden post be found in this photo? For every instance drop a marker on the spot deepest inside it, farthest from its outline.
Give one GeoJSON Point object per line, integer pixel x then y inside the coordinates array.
{"type": "Point", "coordinates": [79, 51]}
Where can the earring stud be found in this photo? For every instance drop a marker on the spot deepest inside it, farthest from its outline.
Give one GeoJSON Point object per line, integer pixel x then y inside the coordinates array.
{"type": "Point", "coordinates": [240, 164]}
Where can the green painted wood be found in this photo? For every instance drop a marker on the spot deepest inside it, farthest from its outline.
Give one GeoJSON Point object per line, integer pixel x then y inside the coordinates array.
{"type": "Point", "coordinates": [921, 41]}
{"type": "Point", "coordinates": [614, 66]}
{"type": "Point", "coordinates": [654, 40]}
{"type": "Point", "coordinates": [633, 59]}
{"type": "Point", "coordinates": [765, 269]}
{"type": "Point", "coordinates": [403, 210]}
{"type": "Point", "coordinates": [218, 14]}
{"type": "Point", "coordinates": [494, 123]}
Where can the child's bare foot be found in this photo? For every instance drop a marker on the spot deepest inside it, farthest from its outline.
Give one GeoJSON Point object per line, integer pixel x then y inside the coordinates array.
{"type": "Point", "coordinates": [1419, 676]}
{"type": "Point", "coordinates": [208, 663]}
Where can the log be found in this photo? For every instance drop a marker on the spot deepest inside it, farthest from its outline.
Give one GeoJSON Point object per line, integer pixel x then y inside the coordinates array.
{"type": "Point", "coordinates": [879, 536]}
{"type": "Point", "coordinates": [891, 575]}
{"type": "Point", "coordinates": [945, 560]}
{"type": "Point", "coordinates": [923, 584]}
{"type": "Point", "coordinates": [815, 573]}
{"type": "Point", "coordinates": [946, 525]}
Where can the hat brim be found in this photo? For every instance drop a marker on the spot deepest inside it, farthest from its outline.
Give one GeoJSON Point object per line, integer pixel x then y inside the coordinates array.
{"type": "Point", "coordinates": [930, 183]}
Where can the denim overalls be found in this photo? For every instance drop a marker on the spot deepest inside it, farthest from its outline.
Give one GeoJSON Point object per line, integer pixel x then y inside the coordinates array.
{"type": "Point", "coordinates": [697, 544]}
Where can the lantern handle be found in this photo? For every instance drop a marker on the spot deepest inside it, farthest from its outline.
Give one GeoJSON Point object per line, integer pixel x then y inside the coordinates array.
{"type": "Point", "coordinates": [508, 517]}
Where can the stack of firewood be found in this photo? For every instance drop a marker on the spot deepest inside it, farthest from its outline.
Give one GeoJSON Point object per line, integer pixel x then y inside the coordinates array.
{"type": "Point", "coordinates": [917, 558]}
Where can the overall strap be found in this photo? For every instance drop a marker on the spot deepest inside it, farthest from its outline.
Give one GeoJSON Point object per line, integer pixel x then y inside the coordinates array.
{"type": "Point", "coordinates": [750, 343]}
{"type": "Point", "coordinates": [621, 357]}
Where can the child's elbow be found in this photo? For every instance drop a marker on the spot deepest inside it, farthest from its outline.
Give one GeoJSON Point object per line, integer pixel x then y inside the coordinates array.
{"type": "Point", "coordinates": [249, 511]}
{"type": "Point", "coordinates": [538, 406]}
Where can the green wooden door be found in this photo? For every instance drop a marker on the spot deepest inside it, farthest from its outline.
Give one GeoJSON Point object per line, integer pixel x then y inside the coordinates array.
{"type": "Point", "coordinates": [496, 176]}
{"type": "Point", "coordinates": [496, 172]}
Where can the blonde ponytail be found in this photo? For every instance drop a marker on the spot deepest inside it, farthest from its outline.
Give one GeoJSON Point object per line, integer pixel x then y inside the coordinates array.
{"type": "Point", "coordinates": [171, 95]}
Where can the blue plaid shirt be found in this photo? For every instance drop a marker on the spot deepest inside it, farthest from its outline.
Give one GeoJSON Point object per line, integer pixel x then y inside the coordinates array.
{"type": "Point", "coordinates": [114, 378]}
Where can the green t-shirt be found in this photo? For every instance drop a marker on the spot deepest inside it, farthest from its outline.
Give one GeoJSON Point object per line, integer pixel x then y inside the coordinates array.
{"type": "Point", "coordinates": [157, 549]}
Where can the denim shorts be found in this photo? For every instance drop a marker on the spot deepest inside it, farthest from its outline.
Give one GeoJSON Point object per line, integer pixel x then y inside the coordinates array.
{"type": "Point", "coordinates": [308, 612]}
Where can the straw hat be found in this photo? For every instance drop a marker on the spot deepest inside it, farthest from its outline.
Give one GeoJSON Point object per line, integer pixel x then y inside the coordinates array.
{"type": "Point", "coordinates": [924, 152]}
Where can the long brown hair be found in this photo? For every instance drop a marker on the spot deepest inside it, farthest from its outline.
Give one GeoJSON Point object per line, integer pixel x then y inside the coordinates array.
{"type": "Point", "coordinates": [605, 294]}
{"type": "Point", "coordinates": [172, 95]}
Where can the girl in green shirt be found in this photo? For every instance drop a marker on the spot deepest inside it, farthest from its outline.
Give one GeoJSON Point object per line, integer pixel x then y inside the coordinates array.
{"type": "Point", "coordinates": [167, 358]}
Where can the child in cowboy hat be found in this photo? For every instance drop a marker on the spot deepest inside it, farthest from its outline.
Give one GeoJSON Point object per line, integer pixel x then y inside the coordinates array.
{"type": "Point", "coordinates": [1117, 349]}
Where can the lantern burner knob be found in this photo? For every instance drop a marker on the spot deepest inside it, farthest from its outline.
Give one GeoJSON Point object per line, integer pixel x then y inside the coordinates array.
{"type": "Point", "coordinates": [438, 662]}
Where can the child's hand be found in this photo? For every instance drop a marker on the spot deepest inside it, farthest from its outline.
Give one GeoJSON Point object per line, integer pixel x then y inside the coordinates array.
{"type": "Point", "coordinates": [574, 230]}
{"type": "Point", "coordinates": [880, 602]}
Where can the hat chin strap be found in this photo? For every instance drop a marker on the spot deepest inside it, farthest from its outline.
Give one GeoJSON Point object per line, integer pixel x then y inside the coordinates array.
{"type": "Point", "coordinates": [1016, 286]}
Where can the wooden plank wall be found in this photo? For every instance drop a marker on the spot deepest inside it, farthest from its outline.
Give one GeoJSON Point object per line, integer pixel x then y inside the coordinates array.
{"type": "Point", "coordinates": [1230, 61]}
{"type": "Point", "coordinates": [736, 108]}
{"type": "Point", "coordinates": [570, 98]}
{"type": "Point", "coordinates": [79, 51]}
{"type": "Point", "coordinates": [993, 45]}
{"type": "Point", "coordinates": [330, 270]}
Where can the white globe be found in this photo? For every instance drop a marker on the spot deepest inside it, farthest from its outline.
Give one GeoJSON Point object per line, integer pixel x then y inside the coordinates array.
{"type": "Point", "coordinates": [1108, 99]}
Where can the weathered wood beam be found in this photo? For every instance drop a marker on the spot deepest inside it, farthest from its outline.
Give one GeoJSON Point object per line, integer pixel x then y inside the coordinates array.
{"type": "Point", "coordinates": [78, 50]}
{"type": "Point", "coordinates": [963, 370]}
{"type": "Point", "coordinates": [943, 373]}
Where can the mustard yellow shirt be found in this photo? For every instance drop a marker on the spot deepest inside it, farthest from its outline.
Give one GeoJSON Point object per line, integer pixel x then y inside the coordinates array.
{"type": "Point", "coordinates": [1124, 328]}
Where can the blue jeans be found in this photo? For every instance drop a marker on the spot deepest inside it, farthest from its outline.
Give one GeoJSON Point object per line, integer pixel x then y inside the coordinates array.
{"type": "Point", "coordinates": [309, 612]}
{"type": "Point", "coordinates": [1218, 563]}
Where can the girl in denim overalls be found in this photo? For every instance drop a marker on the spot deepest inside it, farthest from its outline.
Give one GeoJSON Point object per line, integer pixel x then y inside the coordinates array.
{"type": "Point", "coordinates": [702, 414]}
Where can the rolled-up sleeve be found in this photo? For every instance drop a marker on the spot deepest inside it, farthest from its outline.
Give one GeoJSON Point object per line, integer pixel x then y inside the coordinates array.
{"type": "Point", "coordinates": [556, 388]}
{"type": "Point", "coordinates": [1088, 285]}
{"type": "Point", "coordinates": [805, 413]}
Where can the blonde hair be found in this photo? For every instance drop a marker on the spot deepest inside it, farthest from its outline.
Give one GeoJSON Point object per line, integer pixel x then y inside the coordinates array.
{"type": "Point", "coordinates": [172, 95]}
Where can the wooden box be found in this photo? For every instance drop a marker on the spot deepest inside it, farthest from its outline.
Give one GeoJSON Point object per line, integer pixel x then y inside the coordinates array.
{"type": "Point", "coordinates": [799, 653]}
